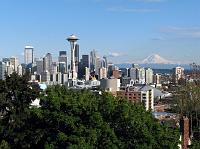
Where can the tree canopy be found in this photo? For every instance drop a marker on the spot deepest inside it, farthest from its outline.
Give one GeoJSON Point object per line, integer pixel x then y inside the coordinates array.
{"type": "Point", "coordinates": [188, 104]}
{"type": "Point", "coordinates": [76, 119]}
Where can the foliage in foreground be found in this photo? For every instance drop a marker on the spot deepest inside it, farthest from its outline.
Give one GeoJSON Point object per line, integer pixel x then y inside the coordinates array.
{"type": "Point", "coordinates": [75, 119]}
{"type": "Point", "coordinates": [188, 104]}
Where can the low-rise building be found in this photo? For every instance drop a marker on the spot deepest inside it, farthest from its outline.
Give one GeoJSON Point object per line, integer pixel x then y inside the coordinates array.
{"type": "Point", "coordinates": [111, 85]}
{"type": "Point", "coordinates": [138, 96]}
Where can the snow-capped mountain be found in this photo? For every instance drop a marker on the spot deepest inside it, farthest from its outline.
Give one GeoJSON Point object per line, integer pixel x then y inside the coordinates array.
{"type": "Point", "coordinates": [156, 59]}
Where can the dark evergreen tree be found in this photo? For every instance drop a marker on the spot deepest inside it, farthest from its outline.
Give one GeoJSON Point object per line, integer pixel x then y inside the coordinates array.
{"type": "Point", "coordinates": [16, 94]}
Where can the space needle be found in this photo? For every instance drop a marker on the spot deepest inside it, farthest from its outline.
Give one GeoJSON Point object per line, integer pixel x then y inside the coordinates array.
{"type": "Point", "coordinates": [73, 39]}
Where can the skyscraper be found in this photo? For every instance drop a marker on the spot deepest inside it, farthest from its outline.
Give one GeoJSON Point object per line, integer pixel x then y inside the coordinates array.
{"type": "Point", "coordinates": [28, 55]}
{"type": "Point", "coordinates": [178, 73]}
{"type": "Point", "coordinates": [2, 70]}
{"type": "Point", "coordinates": [93, 58]}
{"type": "Point", "coordinates": [85, 61]}
{"type": "Point", "coordinates": [54, 68]}
{"type": "Point", "coordinates": [62, 53]}
{"type": "Point", "coordinates": [39, 64]}
{"type": "Point", "coordinates": [9, 68]}
{"type": "Point", "coordinates": [62, 59]}
{"type": "Point", "coordinates": [105, 62]}
{"type": "Point", "coordinates": [87, 74]}
{"type": "Point", "coordinates": [149, 76]}
{"type": "Point", "coordinates": [156, 78]}
{"type": "Point", "coordinates": [110, 69]}
{"type": "Point", "coordinates": [134, 73]}
{"type": "Point", "coordinates": [102, 73]}
{"type": "Point", "coordinates": [14, 62]}
{"type": "Point", "coordinates": [6, 60]}
{"type": "Point", "coordinates": [76, 52]}
{"type": "Point", "coordinates": [98, 65]}
{"type": "Point", "coordinates": [141, 75]}
{"type": "Point", "coordinates": [47, 62]}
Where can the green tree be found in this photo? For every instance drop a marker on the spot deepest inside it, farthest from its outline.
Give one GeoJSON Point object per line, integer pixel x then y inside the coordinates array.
{"type": "Point", "coordinates": [16, 94]}
{"type": "Point", "coordinates": [188, 104]}
{"type": "Point", "coordinates": [76, 119]}
{"type": "Point", "coordinates": [4, 145]}
{"type": "Point", "coordinates": [81, 119]}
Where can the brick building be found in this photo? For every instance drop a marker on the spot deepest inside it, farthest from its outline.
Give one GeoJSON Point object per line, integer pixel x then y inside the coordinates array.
{"type": "Point", "coordinates": [137, 96]}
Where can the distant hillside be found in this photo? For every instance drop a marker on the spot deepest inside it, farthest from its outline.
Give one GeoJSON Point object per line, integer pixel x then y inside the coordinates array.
{"type": "Point", "coordinates": [154, 66]}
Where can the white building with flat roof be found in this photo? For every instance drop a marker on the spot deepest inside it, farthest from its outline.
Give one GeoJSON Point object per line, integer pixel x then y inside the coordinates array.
{"type": "Point", "coordinates": [178, 73]}
{"type": "Point", "coordinates": [149, 76]}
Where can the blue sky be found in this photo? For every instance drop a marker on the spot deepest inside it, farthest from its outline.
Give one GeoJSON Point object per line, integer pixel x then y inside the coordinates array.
{"type": "Point", "coordinates": [126, 30]}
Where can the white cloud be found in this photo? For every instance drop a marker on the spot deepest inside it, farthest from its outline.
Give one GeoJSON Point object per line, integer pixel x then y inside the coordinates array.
{"type": "Point", "coordinates": [114, 54]}
{"type": "Point", "coordinates": [184, 32]}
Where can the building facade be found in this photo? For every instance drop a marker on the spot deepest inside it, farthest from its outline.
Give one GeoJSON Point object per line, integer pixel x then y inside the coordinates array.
{"type": "Point", "coordinates": [62, 60]}
{"type": "Point", "coordinates": [149, 76]}
{"type": "Point", "coordinates": [28, 55]}
{"type": "Point", "coordinates": [178, 73]}
{"type": "Point", "coordinates": [144, 97]}
{"type": "Point", "coordinates": [103, 73]}
{"type": "Point", "coordinates": [76, 56]}
{"type": "Point", "coordinates": [2, 70]}
{"type": "Point", "coordinates": [93, 57]}
{"type": "Point", "coordinates": [47, 62]}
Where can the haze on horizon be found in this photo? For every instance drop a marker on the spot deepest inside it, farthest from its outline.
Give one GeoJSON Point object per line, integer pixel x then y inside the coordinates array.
{"type": "Point", "coordinates": [123, 30]}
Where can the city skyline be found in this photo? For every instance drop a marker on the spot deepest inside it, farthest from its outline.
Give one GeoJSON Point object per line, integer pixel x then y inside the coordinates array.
{"type": "Point", "coordinates": [123, 30]}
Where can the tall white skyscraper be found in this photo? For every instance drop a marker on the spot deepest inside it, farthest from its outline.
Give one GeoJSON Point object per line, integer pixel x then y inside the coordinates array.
{"type": "Point", "coordinates": [102, 73]}
{"type": "Point", "coordinates": [178, 73]}
{"type": "Point", "coordinates": [156, 78]}
{"type": "Point", "coordinates": [87, 73]}
{"type": "Point", "coordinates": [141, 75]}
{"type": "Point", "coordinates": [28, 55]}
{"type": "Point", "coordinates": [149, 76]}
